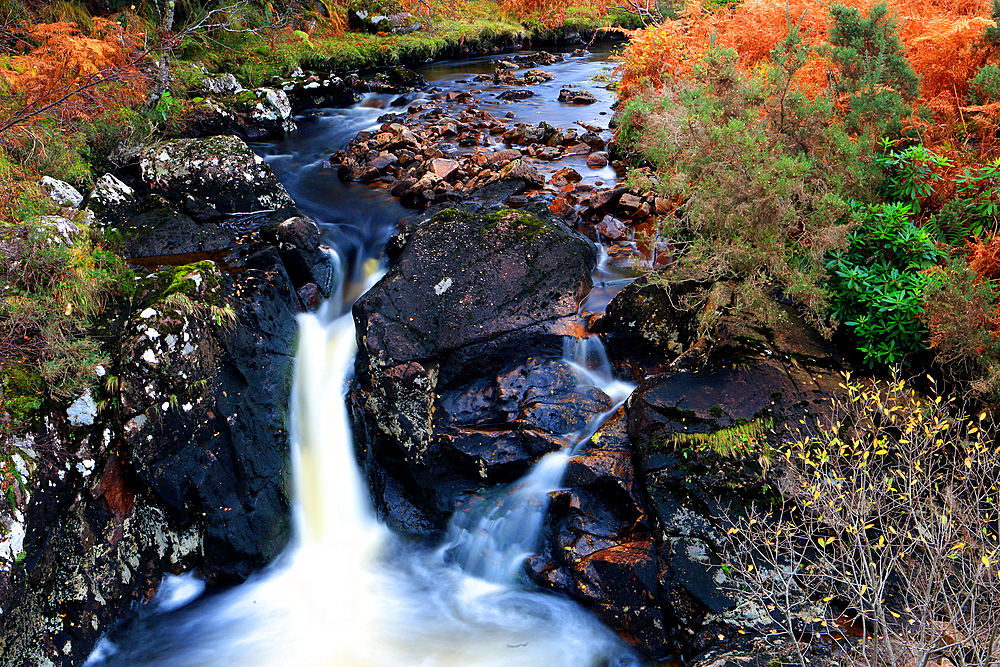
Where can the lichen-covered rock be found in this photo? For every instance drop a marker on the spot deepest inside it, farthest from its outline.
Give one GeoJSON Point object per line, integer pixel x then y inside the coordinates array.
{"type": "Point", "coordinates": [574, 96]}
{"type": "Point", "coordinates": [219, 175]}
{"type": "Point", "coordinates": [112, 202]}
{"type": "Point", "coordinates": [204, 391]}
{"type": "Point", "coordinates": [398, 80]}
{"type": "Point", "coordinates": [250, 114]}
{"type": "Point", "coordinates": [373, 16]}
{"type": "Point", "coordinates": [61, 192]}
{"type": "Point", "coordinates": [311, 90]}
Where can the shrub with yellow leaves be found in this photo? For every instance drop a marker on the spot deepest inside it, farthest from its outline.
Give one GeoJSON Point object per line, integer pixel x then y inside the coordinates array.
{"type": "Point", "coordinates": [889, 524]}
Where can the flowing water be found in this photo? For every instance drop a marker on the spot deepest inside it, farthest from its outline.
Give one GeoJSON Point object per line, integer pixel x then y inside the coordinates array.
{"type": "Point", "coordinates": [348, 592]}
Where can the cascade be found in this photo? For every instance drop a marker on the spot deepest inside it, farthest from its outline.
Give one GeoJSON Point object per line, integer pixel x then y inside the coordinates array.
{"type": "Point", "coordinates": [349, 593]}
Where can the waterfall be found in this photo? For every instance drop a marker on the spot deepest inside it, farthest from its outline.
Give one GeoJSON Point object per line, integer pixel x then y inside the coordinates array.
{"type": "Point", "coordinates": [349, 593]}
{"type": "Point", "coordinates": [493, 537]}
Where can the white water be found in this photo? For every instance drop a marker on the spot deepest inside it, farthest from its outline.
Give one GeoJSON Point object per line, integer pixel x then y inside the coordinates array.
{"type": "Point", "coordinates": [493, 537]}
{"type": "Point", "coordinates": [347, 592]}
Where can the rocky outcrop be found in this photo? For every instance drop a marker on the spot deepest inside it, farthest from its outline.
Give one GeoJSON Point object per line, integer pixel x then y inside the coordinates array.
{"type": "Point", "coordinates": [453, 390]}
{"type": "Point", "coordinates": [250, 114]}
{"type": "Point", "coordinates": [184, 467]}
{"type": "Point", "coordinates": [212, 177]}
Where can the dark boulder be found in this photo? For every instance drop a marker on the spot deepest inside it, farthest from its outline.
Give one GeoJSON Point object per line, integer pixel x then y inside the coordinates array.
{"type": "Point", "coordinates": [205, 386]}
{"type": "Point", "coordinates": [601, 542]}
{"type": "Point", "coordinates": [572, 96]}
{"type": "Point", "coordinates": [469, 301]}
{"type": "Point", "coordinates": [398, 80]}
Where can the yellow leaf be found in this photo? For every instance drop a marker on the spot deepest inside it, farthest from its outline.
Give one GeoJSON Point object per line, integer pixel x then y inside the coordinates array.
{"type": "Point", "coordinates": [960, 545]}
{"type": "Point", "coordinates": [864, 587]}
{"type": "Point", "coordinates": [733, 530]}
{"type": "Point", "coordinates": [750, 567]}
{"type": "Point", "coordinates": [986, 560]}
{"type": "Point", "coordinates": [894, 614]}
{"type": "Point", "coordinates": [827, 598]}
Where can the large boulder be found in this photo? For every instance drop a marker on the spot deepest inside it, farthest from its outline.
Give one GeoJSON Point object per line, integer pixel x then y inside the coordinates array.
{"type": "Point", "coordinates": [204, 393]}
{"type": "Point", "coordinates": [185, 472]}
{"type": "Point", "coordinates": [250, 114]}
{"type": "Point", "coordinates": [212, 177]}
{"type": "Point", "coordinates": [453, 389]}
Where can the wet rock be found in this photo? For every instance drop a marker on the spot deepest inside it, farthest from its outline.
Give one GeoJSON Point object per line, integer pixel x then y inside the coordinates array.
{"type": "Point", "coordinates": [541, 58]}
{"type": "Point", "coordinates": [163, 233]}
{"type": "Point", "coordinates": [112, 202]}
{"type": "Point", "coordinates": [515, 94]}
{"type": "Point", "coordinates": [502, 157]}
{"type": "Point", "coordinates": [601, 546]}
{"type": "Point", "coordinates": [573, 96]}
{"type": "Point", "coordinates": [603, 198]}
{"type": "Point", "coordinates": [217, 176]}
{"type": "Point", "coordinates": [204, 407]}
{"type": "Point", "coordinates": [612, 228]}
{"type": "Point", "coordinates": [526, 135]}
{"type": "Point", "coordinates": [533, 76]}
{"type": "Point", "coordinates": [522, 171]}
{"type": "Point", "coordinates": [398, 80]}
{"type": "Point", "coordinates": [596, 161]}
{"type": "Point", "coordinates": [313, 90]}
{"type": "Point", "coordinates": [311, 296]}
{"type": "Point", "coordinates": [443, 168]}
{"type": "Point", "coordinates": [565, 176]}
{"type": "Point", "coordinates": [656, 318]}
{"type": "Point", "coordinates": [468, 296]}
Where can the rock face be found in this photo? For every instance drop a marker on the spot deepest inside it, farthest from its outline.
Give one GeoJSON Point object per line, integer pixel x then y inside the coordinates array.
{"type": "Point", "coordinates": [468, 312]}
{"type": "Point", "coordinates": [204, 403]}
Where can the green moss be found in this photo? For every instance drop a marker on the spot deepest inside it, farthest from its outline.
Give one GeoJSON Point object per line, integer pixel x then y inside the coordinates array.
{"type": "Point", "coordinates": [734, 441]}
{"type": "Point", "coordinates": [22, 393]}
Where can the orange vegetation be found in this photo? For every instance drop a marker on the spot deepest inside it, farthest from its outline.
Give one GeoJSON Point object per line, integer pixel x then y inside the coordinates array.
{"type": "Point", "coordinates": [942, 39]}
{"type": "Point", "coordinates": [74, 76]}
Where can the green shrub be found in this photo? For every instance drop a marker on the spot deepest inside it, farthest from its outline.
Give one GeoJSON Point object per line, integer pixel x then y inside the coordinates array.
{"type": "Point", "coordinates": [54, 293]}
{"type": "Point", "coordinates": [959, 310]}
{"type": "Point", "coordinates": [876, 284]}
{"type": "Point", "coordinates": [873, 67]}
{"type": "Point", "coordinates": [984, 87]}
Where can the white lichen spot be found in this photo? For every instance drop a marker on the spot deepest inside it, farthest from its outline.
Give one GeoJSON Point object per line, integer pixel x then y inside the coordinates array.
{"type": "Point", "coordinates": [67, 647]}
{"type": "Point", "coordinates": [107, 437]}
{"type": "Point", "coordinates": [442, 286]}
{"type": "Point", "coordinates": [187, 407]}
{"type": "Point", "coordinates": [135, 424]}
{"type": "Point", "coordinates": [171, 341]}
{"type": "Point", "coordinates": [148, 313]}
{"type": "Point", "coordinates": [152, 334]}
{"type": "Point", "coordinates": [100, 371]}
{"type": "Point", "coordinates": [187, 349]}
{"type": "Point", "coordinates": [165, 406]}
{"type": "Point", "coordinates": [149, 357]}
{"type": "Point", "coordinates": [82, 410]}
{"type": "Point", "coordinates": [86, 467]}
{"type": "Point", "coordinates": [12, 544]}
{"type": "Point", "coordinates": [21, 466]}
